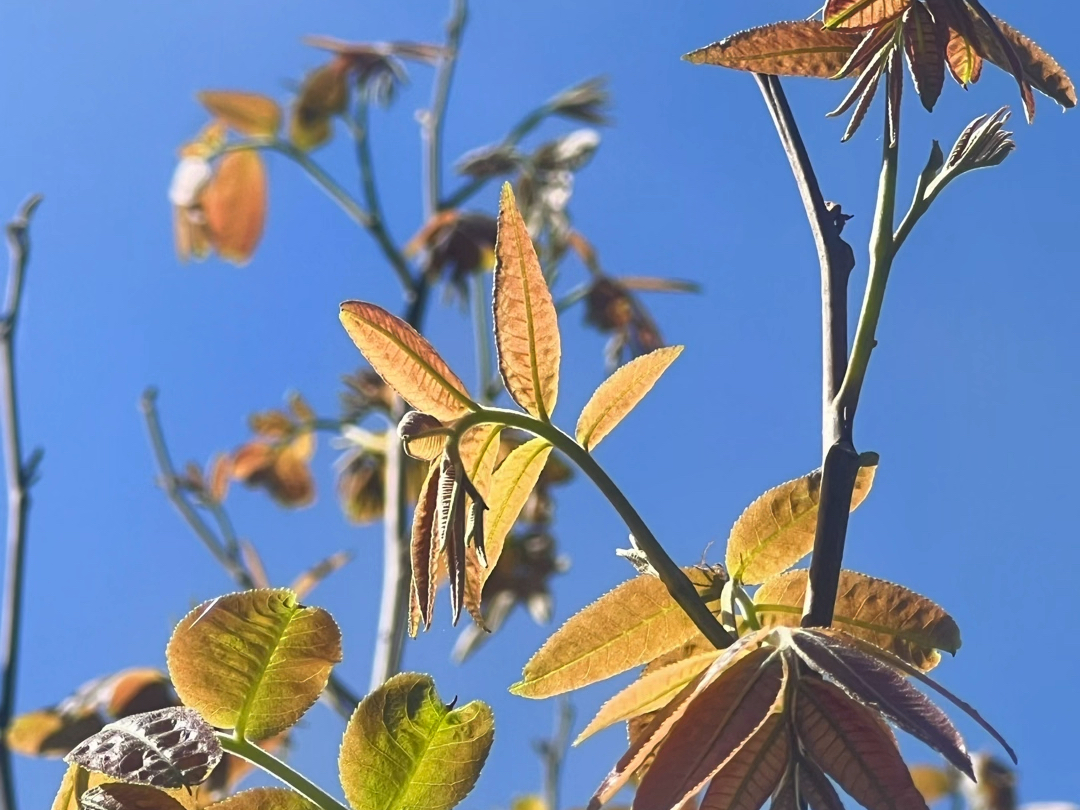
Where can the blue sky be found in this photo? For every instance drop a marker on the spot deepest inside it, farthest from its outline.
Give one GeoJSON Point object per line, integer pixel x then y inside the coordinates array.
{"type": "Point", "coordinates": [970, 399]}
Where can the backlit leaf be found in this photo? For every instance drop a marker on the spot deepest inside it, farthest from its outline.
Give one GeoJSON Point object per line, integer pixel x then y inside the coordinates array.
{"type": "Point", "coordinates": [511, 484]}
{"type": "Point", "coordinates": [777, 529]}
{"type": "Point", "coordinates": [626, 627]}
{"type": "Point", "coordinates": [1040, 68]}
{"type": "Point", "coordinates": [882, 687]}
{"type": "Point", "coordinates": [526, 324]}
{"type": "Point", "coordinates": [894, 618]}
{"type": "Point", "coordinates": [405, 748]}
{"type": "Point", "coordinates": [265, 798]}
{"type": "Point", "coordinates": [721, 717]}
{"type": "Point", "coordinates": [652, 691]}
{"type": "Point", "coordinates": [754, 770]}
{"type": "Point", "coordinates": [423, 550]}
{"type": "Point", "coordinates": [925, 40]}
{"type": "Point", "coordinates": [234, 203]}
{"type": "Point", "coordinates": [406, 361]}
{"type": "Point", "coordinates": [859, 15]}
{"type": "Point", "coordinates": [620, 392]}
{"type": "Point", "coordinates": [247, 113]}
{"type": "Point", "coordinates": [122, 796]}
{"type": "Point", "coordinates": [854, 748]}
{"type": "Point", "coordinates": [169, 748]}
{"type": "Point", "coordinates": [932, 782]}
{"type": "Point", "coordinates": [254, 661]}
{"type": "Point", "coordinates": [963, 60]}
{"type": "Point", "coordinates": [50, 733]}
{"type": "Point", "coordinates": [797, 48]}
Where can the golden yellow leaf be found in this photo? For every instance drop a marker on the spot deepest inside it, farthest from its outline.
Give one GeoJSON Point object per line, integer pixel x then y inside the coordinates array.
{"type": "Point", "coordinates": [860, 15]}
{"type": "Point", "coordinates": [77, 781]}
{"type": "Point", "coordinates": [247, 113]}
{"type": "Point", "coordinates": [932, 782]}
{"type": "Point", "coordinates": [48, 733]}
{"type": "Point", "coordinates": [894, 618]}
{"type": "Point", "coordinates": [323, 94]}
{"type": "Point", "coordinates": [234, 203]}
{"type": "Point", "coordinates": [265, 798]}
{"type": "Point", "coordinates": [631, 625]}
{"type": "Point", "coordinates": [800, 48]}
{"type": "Point", "coordinates": [526, 324]}
{"type": "Point", "coordinates": [406, 361]}
{"type": "Point", "coordinates": [777, 529]}
{"type": "Point", "coordinates": [620, 392]}
{"type": "Point", "coordinates": [255, 661]}
{"type": "Point", "coordinates": [648, 693]}
{"type": "Point", "coordinates": [510, 487]}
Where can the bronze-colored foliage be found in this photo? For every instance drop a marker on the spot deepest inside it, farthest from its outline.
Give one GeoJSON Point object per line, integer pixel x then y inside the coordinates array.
{"type": "Point", "coordinates": [894, 618]}
{"type": "Point", "coordinates": [247, 113]}
{"type": "Point", "coordinates": [777, 529]}
{"type": "Point", "coordinates": [798, 48]}
{"type": "Point", "coordinates": [628, 626]}
{"type": "Point", "coordinates": [526, 324]}
{"type": "Point", "coordinates": [122, 796]}
{"type": "Point", "coordinates": [265, 799]}
{"type": "Point", "coordinates": [234, 203]}
{"type": "Point", "coordinates": [169, 748]}
{"type": "Point", "coordinates": [860, 15]}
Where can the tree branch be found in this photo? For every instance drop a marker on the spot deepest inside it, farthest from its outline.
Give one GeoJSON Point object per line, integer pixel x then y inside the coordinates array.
{"type": "Point", "coordinates": [20, 476]}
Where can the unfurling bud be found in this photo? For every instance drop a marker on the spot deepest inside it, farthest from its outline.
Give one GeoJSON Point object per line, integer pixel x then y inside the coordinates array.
{"type": "Point", "coordinates": [422, 435]}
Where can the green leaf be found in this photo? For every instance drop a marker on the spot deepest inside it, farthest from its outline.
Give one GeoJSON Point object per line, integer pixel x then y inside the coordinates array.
{"type": "Point", "coordinates": [405, 748]}
{"type": "Point", "coordinates": [632, 625]}
{"type": "Point", "coordinates": [254, 661]}
{"type": "Point", "coordinates": [777, 529]}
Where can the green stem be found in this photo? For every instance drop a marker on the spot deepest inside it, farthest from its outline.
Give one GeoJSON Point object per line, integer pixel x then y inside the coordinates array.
{"type": "Point", "coordinates": [678, 584]}
{"type": "Point", "coordinates": [748, 607]}
{"type": "Point", "coordinates": [279, 770]}
{"type": "Point", "coordinates": [377, 222]}
{"type": "Point", "coordinates": [323, 180]}
{"type": "Point", "coordinates": [882, 253]}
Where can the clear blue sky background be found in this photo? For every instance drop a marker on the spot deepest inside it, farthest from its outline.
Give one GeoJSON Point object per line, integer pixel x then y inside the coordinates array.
{"type": "Point", "coordinates": [970, 400]}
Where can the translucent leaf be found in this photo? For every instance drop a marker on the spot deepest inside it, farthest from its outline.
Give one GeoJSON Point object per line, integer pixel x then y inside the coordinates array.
{"type": "Point", "coordinates": [168, 748]}
{"type": "Point", "coordinates": [122, 796]}
{"type": "Point", "coordinates": [526, 324]}
{"type": "Point", "coordinates": [234, 203]}
{"type": "Point", "coordinates": [925, 40]}
{"type": "Point", "coordinates": [963, 60]}
{"type": "Point", "coordinates": [882, 687]}
{"type": "Point", "coordinates": [629, 626]}
{"type": "Point", "coordinates": [652, 691]}
{"type": "Point", "coordinates": [406, 361]}
{"type": "Point", "coordinates": [247, 113]}
{"type": "Point", "coordinates": [265, 799]}
{"type": "Point", "coordinates": [752, 773]}
{"type": "Point", "coordinates": [511, 485]}
{"type": "Point", "coordinates": [1040, 68]}
{"type": "Point", "coordinates": [722, 715]}
{"type": "Point", "coordinates": [777, 529]}
{"type": "Point", "coordinates": [423, 548]}
{"type": "Point", "coordinates": [254, 661]}
{"type": "Point", "coordinates": [894, 618]}
{"type": "Point", "coordinates": [813, 786]}
{"type": "Point", "coordinates": [858, 15]}
{"type": "Point", "coordinates": [620, 392]}
{"type": "Point", "coordinates": [798, 48]}
{"type": "Point", "coordinates": [404, 748]}
{"type": "Point", "coordinates": [848, 741]}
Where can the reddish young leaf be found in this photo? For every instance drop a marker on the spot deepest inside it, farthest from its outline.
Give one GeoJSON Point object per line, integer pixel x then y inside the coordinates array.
{"type": "Point", "coordinates": [924, 43]}
{"type": "Point", "coordinates": [851, 744]}
{"type": "Point", "coordinates": [1039, 68]}
{"type": "Point", "coordinates": [814, 788]}
{"type": "Point", "coordinates": [798, 48]}
{"type": "Point", "coordinates": [752, 773]}
{"type": "Point", "coordinates": [859, 15]}
{"type": "Point", "coordinates": [234, 202]}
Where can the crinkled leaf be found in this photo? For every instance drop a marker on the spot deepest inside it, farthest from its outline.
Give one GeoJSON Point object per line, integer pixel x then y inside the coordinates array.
{"type": "Point", "coordinates": [247, 113]}
{"type": "Point", "coordinates": [749, 777]}
{"type": "Point", "coordinates": [526, 324]}
{"type": "Point", "coordinates": [234, 203]}
{"type": "Point", "coordinates": [854, 748]}
{"type": "Point", "coordinates": [511, 484]}
{"type": "Point", "coordinates": [122, 796]}
{"type": "Point", "coordinates": [423, 549]}
{"type": "Point", "coordinates": [777, 529]}
{"type": "Point", "coordinates": [264, 798]}
{"type": "Point", "coordinates": [626, 627]}
{"type": "Point", "coordinates": [858, 15]}
{"type": "Point", "coordinates": [894, 618]}
{"type": "Point", "coordinates": [405, 748]}
{"type": "Point", "coordinates": [406, 361]}
{"type": "Point", "coordinates": [797, 48]}
{"type": "Point", "coordinates": [168, 748]}
{"type": "Point", "coordinates": [652, 691]}
{"type": "Point", "coordinates": [255, 661]}
{"type": "Point", "coordinates": [878, 685]}
{"type": "Point", "coordinates": [721, 717]}
{"type": "Point", "coordinates": [620, 392]}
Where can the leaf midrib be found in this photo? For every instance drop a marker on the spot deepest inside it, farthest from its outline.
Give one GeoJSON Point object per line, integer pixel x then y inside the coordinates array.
{"type": "Point", "coordinates": [534, 365]}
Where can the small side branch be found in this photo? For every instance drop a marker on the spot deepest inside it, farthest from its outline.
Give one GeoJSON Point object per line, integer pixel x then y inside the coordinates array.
{"type": "Point", "coordinates": [552, 752]}
{"type": "Point", "coordinates": [20, 475]}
